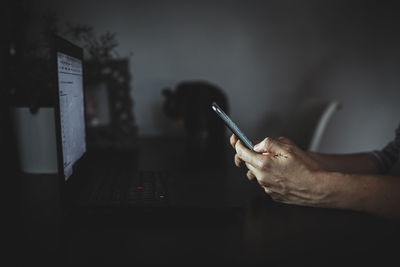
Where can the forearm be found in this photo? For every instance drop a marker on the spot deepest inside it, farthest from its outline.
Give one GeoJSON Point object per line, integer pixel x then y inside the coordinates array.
{"type": "Point", "coordinates": [346, 163]}
{"type": "Point", "coordinates": [374, 194]}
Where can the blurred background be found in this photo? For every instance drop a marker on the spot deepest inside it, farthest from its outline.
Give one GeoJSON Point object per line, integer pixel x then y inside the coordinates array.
{"type": "Point", "coordinates": [267, 56]}
{"type": "Point", "coordinates": [262, 59]}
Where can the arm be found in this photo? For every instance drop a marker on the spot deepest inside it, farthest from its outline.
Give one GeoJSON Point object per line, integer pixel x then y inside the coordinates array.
{"type": "Point", "coordinates": [290, 175]}
{"type": "Point", "coordinates": [374, 194]}
{"type": "Point", "coordinates": [347, 163]}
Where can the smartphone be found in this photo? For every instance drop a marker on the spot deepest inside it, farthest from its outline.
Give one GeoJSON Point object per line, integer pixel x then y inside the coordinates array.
{"type": "Point", "coordinates": [232, 126]}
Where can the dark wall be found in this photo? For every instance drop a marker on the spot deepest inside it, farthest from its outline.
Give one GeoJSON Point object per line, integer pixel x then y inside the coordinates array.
{"type": "Point", "coordinates": [267, 55]}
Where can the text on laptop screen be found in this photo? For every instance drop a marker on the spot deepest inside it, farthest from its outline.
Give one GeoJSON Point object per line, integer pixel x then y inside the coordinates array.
{"type": "Point", "coordinates": [72, 113]}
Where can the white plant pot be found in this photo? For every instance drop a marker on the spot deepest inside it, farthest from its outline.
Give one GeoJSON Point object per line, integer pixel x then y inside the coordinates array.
{"type": "Point", "coordinates": [36, 140]}
{"type": "Point", "coordinates": [99, 94]}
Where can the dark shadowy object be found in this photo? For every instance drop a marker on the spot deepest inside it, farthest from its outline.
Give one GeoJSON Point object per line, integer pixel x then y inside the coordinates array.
{"type": "Point", "coordinates": [27, 75]}
{"type": "Point", "coordinates": [191, 102]}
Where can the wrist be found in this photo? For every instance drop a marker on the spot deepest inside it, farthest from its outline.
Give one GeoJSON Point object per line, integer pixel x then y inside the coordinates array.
{"type": "Point", "coordinates": [345, 191]}
{"type": "Point", "coordinates": [333, 189]}
{"type": "Point", "coordinates": [322, 160]}
{"type": "Point", "coordinates": [324, 188]}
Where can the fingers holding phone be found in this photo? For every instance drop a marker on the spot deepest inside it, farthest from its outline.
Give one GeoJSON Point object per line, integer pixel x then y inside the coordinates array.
{"type": "Point", "coordinates": [233, 140]}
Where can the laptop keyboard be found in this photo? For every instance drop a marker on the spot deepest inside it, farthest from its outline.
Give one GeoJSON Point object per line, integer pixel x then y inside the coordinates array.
{"type": "Point", "coordinates": [148, 188]}
{"type": "Point", "coordinates": [139, 188]}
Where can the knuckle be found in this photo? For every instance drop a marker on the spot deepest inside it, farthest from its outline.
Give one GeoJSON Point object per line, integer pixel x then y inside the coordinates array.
{"type": "Point", "coordinates": [237, 160]}
{"type": "Point", "coordinates": [237, 147]}
{"type": "Point", "coordinates": [238, 153]}
{"type": "Point", "coordinates": [263, 184]}
{"type": "Point", "coordinates": [268, 141]}
{"type": "Point", "coordinates": [283, 138]}
{"type": "Point", "coordinates": [263, 181]}
{"type": "Point", "coordinates": [289, 148]}
{"type": "Point", "coordinates": [264, 165]}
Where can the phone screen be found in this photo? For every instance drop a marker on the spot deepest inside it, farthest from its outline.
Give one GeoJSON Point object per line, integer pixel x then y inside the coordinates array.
{"type": "Point", "coordinates": [232, 126]}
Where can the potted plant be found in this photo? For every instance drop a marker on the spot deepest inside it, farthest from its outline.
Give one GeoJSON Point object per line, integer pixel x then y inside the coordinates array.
{"type": "Point", "coordinates": [107, 82]}
{"type": "Point", "coordinates": [30, 89]}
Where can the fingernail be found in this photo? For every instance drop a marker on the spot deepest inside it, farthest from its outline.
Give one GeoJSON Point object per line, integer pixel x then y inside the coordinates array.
{"type": "Point", "coordinates": [257, 147]}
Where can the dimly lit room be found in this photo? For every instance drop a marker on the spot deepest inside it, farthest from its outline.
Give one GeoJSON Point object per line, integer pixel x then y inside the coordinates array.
{"type": "Point", "coordinates": [200, 132]}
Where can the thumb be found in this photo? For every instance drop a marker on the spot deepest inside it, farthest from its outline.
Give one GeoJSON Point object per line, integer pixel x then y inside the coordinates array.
{"type": "Point", "coordinates": [270, 146]}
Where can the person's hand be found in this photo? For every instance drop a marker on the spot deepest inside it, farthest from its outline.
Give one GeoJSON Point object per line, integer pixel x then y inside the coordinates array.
{"type": "Point", "coordinates": [286, 173]}
{"type": "Point", "coordinates": [239, 163]}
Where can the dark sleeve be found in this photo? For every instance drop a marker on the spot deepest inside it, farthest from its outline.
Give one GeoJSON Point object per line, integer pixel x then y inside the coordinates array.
{"type": "Point", "coordinates": [388, 156]}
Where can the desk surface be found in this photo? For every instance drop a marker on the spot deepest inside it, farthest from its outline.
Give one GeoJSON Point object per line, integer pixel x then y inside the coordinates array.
{"type": "Point", "coordinates": [266, 232]}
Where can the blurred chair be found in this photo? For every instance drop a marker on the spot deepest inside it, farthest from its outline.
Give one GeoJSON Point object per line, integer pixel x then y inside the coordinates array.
{"type": "Point", "coordinates": [307, 124]}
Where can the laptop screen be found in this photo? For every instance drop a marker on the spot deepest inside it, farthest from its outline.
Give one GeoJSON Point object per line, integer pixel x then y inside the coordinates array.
{"type": "Point", "coordinates": [72, 112]}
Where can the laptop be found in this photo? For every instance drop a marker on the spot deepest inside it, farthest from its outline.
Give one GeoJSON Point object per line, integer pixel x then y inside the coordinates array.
{"type": "Point", "coordinates": [110, 182]}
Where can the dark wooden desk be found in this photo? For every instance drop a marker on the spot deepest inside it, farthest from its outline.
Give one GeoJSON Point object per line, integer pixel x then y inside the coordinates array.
{"type": "Point", "coordinates": [266, 232]}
